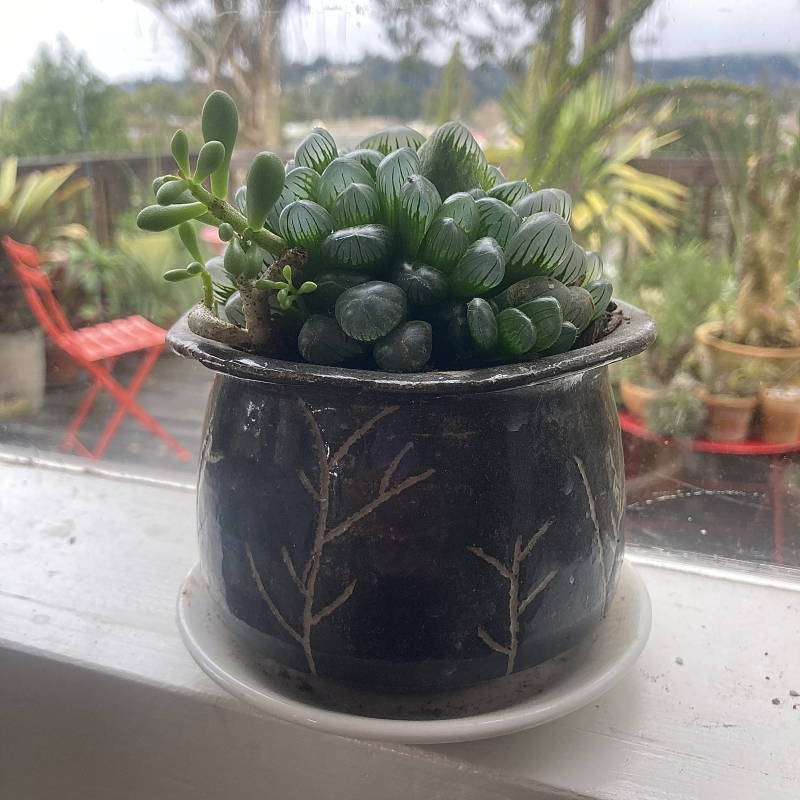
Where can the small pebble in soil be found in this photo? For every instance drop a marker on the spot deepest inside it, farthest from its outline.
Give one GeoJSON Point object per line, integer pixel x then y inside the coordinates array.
{"type": "Point", "coordinates": [776, 701]}
{"type": "Point", "coordinates": [793, 693]}
{"type": "Point", "coordinates": [679, 661]}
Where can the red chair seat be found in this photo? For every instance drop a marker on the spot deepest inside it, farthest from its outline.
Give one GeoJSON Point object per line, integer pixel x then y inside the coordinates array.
{"type": "Point", "coordinates": [111, 339]}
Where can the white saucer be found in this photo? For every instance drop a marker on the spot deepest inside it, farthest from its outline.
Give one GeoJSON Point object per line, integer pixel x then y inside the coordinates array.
{"type": "Point", "coordinates": [522, 701]}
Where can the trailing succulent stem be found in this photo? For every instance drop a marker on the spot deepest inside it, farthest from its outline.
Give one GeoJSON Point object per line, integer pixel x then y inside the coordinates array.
{"type": "Point", "coordinates": [402, 253]}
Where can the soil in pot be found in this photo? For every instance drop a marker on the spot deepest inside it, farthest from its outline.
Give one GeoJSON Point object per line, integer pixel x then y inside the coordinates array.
{"type": "Point", "coordinates": [729, 417]}
{"type": "Point", "coordinates": [780, 414]}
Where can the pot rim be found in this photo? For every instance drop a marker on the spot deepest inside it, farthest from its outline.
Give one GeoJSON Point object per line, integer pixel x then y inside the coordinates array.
{"type": "Point", "coordinates": [708, 334]}
{"type": "Point", "coordinates": [636, 332]}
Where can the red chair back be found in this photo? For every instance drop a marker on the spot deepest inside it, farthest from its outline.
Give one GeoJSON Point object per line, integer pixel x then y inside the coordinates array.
{"type": "Point", "coordinates": [38, 289]}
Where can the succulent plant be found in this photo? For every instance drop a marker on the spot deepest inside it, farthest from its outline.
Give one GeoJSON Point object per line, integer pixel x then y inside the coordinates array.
{"type": "Point", "coordinates": [401, 253]}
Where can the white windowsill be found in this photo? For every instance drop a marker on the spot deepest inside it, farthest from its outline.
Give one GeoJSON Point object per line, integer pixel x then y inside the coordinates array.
{"type": "Point", "coordinates": [99, 698]}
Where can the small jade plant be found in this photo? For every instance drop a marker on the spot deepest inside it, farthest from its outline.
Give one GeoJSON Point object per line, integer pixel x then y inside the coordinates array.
{"type": "Point", "coordinates": [400, 254]}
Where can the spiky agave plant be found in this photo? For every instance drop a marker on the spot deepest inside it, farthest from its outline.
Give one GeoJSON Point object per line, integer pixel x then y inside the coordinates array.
{"type": "Point", "coordinates": [396, 254]}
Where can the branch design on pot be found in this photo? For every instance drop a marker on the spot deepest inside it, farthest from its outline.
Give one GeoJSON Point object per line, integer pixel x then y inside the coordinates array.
{"type": "Point", "coordinates": [325, 532]}
{"type": "Point", "coordinates": [516, 607]}
{"type": "Point", "coordinates": [596, 528]}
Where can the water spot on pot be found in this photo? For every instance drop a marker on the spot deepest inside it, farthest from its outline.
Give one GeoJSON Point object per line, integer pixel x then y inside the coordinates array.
{"type": "Point", "coordinates": [568, 487]}
{"type": "Point", "coordinates": [572, 579]}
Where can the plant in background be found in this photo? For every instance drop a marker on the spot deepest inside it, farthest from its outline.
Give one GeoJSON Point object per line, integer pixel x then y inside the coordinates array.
{"type": "Point", "coordinates": [678, 414]}
{"type": "Point", "coordinates": [679, 288]}
{"type": "Point", "coordinates": [28, 214]}
{"type": "Point", "coordinates": [402, 251]}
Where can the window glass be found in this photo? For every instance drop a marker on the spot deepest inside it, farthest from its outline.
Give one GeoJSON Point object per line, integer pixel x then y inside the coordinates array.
{"type": "Point", "coordinates": [672, 124]}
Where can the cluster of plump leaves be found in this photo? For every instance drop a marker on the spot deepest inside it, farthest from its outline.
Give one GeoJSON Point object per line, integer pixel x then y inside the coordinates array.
{"type": "Point", "coordinates": [423, 253]}
{"type": "Point", "coordinates": [418, 251]}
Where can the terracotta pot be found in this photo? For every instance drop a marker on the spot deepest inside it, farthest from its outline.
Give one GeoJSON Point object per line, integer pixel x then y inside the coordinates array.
{"type": "Point", "coordinates": [636, 398]}
{"type": "Point", "coordinates": [729, 417]}
{"type": "Point", "coordinates": [726, 357]}
{"type": "Point", "coordinates": [780, 415]}
{"type": "Point", "coordinates": [378, 529]}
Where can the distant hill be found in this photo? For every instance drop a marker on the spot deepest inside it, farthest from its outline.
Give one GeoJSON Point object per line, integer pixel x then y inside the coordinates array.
{"type": "Point", "coordinates": [777, 70]}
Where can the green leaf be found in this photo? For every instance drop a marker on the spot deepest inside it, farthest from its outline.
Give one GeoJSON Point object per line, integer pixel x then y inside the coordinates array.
{"type": "Point", "coordinates": [170, 192]}
{"type": "Point", "coordinates": [510, 191]}
{"type": "Point", "coordinates": [419, 202]}
{"type": "Point", "coordinates": [234, 312]}
{"type": "Point", "coordinates": [497, 220]}
{"type": "Point", "coordinates": [494, 177]}
{"type": "Point", "coordinates": [580, 308]}
{"type": "Point", "coordinates": [480, 269]}
{"type": "Point", "coordinates": [292, 318]}
{"type": "Point", "coordinates": [195, 268]}
{"type": "Point", "coordinates": [330, 285]}
{"type": "Point", "coordinates": [162, 218]}
{"type": "Point", "coordinates": [452, 341]}
{"type": "Point", "coordinates": [369, 159]}
{"type": "Point", "coordinates": [391, 139]}
{"type": "Point", "coordinates": [423, 285]}
{"type": "Point", "coordinates": [364, 247]}
{"type": "Point", "coordinates": [601, 295]}
{"type": "Point", "coordinates": [444, 244]}
{"type": "Point", "coordinates": [461, 208]}
{"type": "Point", "coordinates": [225, 232]}
{"type": "Point", "coordinates": [8, 179]}
{"type": "Point", "coordinates": [211, 156]}
{"type": "Point", "coordinates": [529, 289]}
{"type": "Point", "coordinates": [452, 160]}
{"type": "Point", "coordinates": [565, 209]}
{"type": "Point", "coordinates": [392, 174]}
{"type": "Point", "coordinates": [300, 184]}
{"type": "Point", "coordinates": [265, 181]}
{"type": "Point", "coordinates": [188, 236]}
{"type": "Point", "coordinates": [573, 267]}
{"type": "Point", "coordinates": [305, 224]}
{"type": "Point", "coordinates": [545, 314]}
{"type": "Point", "coordinates": [254, 262]}
{"type": "Point", "coordinates": [566, 338]}
{"type": "Point", "coordinates": [322, 341]}
{"type": "Point", "coordinates": [515, 332]}
{"type": "Point", "coordinates": [235, 259]}
{"type": "Point", "coordinates": [358, 204]}
{"type": "Point", "coordinates": [542, 242]}
{"type": "Point", "coordinates": [175, 275]}
{"type": "Point", "coordinates": [406, 349]}
{"type": "Point", "coordinates": [593, 268]}
{"type": "Point", "coordinates": [180, 152]}
{"type": "Point", "coordinates": [482, 325]}
{"type": "Point", "coordinates": [371, 310]}
{"type": "Point", "coordinates": [545, 200]}
{"type": "Point", "coordinates": [220, 123]}
{"type": "Point", "coordinates": [316, 151]}
{"type": "Point", "coordinates": [338, 175]}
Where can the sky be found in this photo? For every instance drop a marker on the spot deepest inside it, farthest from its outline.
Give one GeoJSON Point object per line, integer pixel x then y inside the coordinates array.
{"type": "Point", "coordinates": [124, 40]}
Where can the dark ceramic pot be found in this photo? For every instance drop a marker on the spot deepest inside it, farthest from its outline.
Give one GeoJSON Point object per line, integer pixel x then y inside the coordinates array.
{"type": "Point", "coordinates": [412, 531]}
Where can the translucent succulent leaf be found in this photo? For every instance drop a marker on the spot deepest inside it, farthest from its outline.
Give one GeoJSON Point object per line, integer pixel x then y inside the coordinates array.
{"type": "Point", "coordinates": [233, 310]}
{"type": "Point", "coordinates": [305, 224]}
{"type": "Point", "coordinates": [566, 338]}
{"type": "Point", "coordinates": [542, 242]}
{"type": "Point", "coordinates": [419, 202]}
{"type": "Point", "coordinates": [371, 310]}
{"type": "Point", "coordinates": [601, 295]}
{"type": "Point", "coordinates": [593, 268]}
{"type": "Point", "coordinates": [424, 285]}
{"type": "Point", "coordinates": [406, 349]}
{"type": "Point", "coordinates": [482, 325]}
{"type": "Point", "coordinates": [358, 204]}
{"type": "Point", "coordinates": [515, 332]}
{"type": "Point", "coordinates": [497, 220]}
{"type": "Point", "coordinates": [461, 207]}
{"type": "Point", "coordinates": [493, 177]}
{"type": "Point", "coordinates": [580, 308]}
{"type": "Point", "coordinates": [300, 184]}
{"type": "Point", "coordinates": [322, 341]}
{"type": "Point", "coordinates": [452, 160]}
{"type": "Point", "coordinates": [338, 175]}
{"type": "Point", "coordinates": [444, 244]}
{"type": "Point", "coordinates": [480, 269]}
{"type": "Point", "coordinates": [392, 173]}
{"type": "Point", "coordinates": [391, 139]}
{"type": "Point", "coordinates": [316, 151]}
{"type": "Point", "coordinates": [538, 202]}
{"type": "Point", "coordinates": [330, 285]}
{"type": "Point", "coordinates": [545, 314]}
{"type": "Point", "coordinates": [572, 267]}
{"type": "Point", "coordinates": [529, 289]}
{"type": "Point", "coordinates": [510, 191]}
{"type": "Point", "coordinates": [364, 247]}
{"type": "Point", "coordinates": [369, 159]}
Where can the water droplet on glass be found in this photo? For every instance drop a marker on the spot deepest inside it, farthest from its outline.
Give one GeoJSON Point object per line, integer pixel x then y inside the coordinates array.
{"type": "Point", "coordinates": [703, 531]}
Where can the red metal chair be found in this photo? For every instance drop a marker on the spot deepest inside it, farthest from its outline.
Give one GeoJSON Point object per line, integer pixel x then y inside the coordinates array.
{"type": "Point", "coordinates": [96, 350]}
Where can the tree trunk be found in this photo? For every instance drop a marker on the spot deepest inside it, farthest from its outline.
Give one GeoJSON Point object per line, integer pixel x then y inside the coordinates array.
{"type": "Point", "coordinates": [595, 20]}
{"type": "Point", "coordinates": [267, 83]}
{"type": "Point", "coordinates": [623, 57]}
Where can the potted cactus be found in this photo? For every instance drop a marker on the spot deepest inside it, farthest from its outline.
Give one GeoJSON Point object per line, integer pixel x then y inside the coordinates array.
{"type": "Point", "coordinates": [411, 473]}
